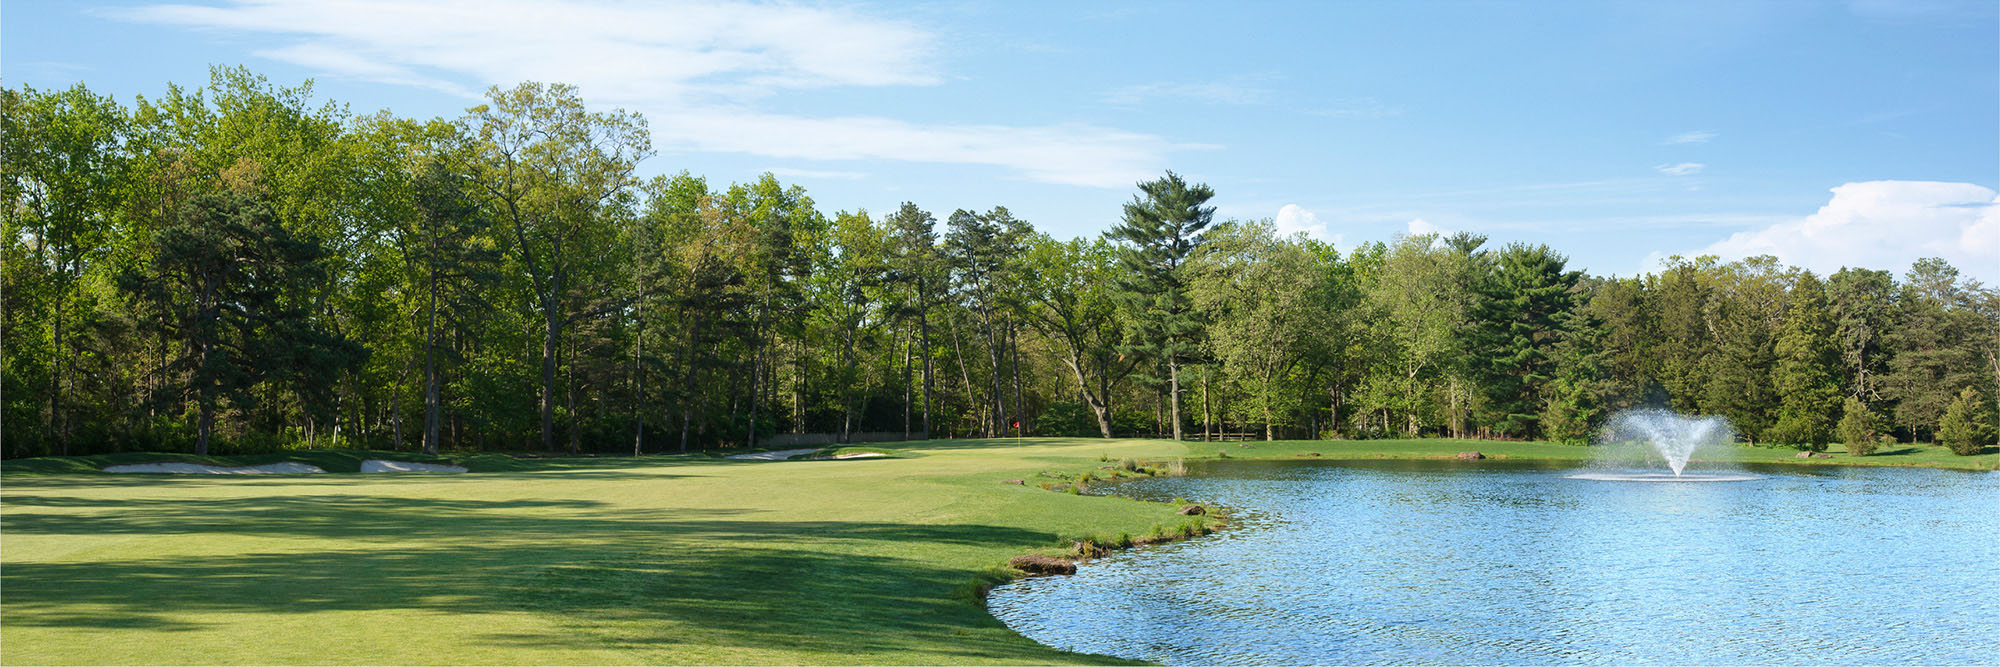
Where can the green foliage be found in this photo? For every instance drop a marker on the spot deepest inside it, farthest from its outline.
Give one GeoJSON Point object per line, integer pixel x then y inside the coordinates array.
{"type": "Point", "coordinates": [1159, 233]}
{"type": "Point", "coordinates": [503, 280]}
{"type": "Point", "coordinates": [1807, 374]}
{"type": "Point", "coordinates": [1521, 309]}
{"type": "Point", "coordinates": [1857, 427]}
{"type": "Point", "coordinates": [1967, 425]}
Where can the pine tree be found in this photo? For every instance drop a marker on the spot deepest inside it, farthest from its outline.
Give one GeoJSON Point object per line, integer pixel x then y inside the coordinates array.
{"type": "Point", "coordinates": [1575, 396]}
{"type": "Point", "coordinates": [1161, 230]}
{"type": "Point", "coordinates": [1857, 427]}
{"type": "Point", "coordinates": [1967, 426]}
{"type": "Point", "coordinates": [1518, 323]}
{"type": "Point", "coordinates": [1807, 376]}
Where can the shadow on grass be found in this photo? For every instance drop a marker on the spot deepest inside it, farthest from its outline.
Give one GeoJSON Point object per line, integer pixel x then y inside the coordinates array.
{"type": "Point", "coordinates": [720, 577]}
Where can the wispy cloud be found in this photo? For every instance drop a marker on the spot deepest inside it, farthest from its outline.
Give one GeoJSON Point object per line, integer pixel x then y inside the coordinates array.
{"type": "Point", "coordinates": [1680, 169]}
{"type": "Point", "coordinates": [817, 174]}
{"type": "Point", "coordinates": [1359, 107]}
{"type": "Point", "coordinates": [1695, 137]}
{"type": "Point", "coordinates": [697, 70]}
{"type": "Point", "coordinates": [1239, 91]}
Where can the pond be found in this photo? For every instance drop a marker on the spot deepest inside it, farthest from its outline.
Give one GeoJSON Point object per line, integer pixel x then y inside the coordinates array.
{"type": "Point", "coordinates": [1440, 562]}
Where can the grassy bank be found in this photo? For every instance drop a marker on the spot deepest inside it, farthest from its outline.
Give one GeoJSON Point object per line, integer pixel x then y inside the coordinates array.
{"type": "Point", "coordinates": [667, 559]}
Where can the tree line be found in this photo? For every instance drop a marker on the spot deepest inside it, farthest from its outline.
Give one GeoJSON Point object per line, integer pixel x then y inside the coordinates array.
{"type": "Point", "coordinates": [240, 267]}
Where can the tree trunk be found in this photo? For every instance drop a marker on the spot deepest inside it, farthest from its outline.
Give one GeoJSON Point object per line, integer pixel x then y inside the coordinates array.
{"type": "Point", "coordinates": [1020, 418]}
{"type": "Point", "coordinates": [964, 375]}
{"type": "Point", "coordinates": [553, 329]}
{"type": "Point", "coordinates": [1206, 407]}
{"type": "Point", "coordinates": [431, 408]}
{"type": "Point", "coordinates": [639, 380]}
{"type": "Point", "coordinates": [924, 322]}
{"type": "Point", "coordinates": [756, 376]}
{"type": "Point", "coordinates": [1174, 397]}
{"type": "Point", "coordinates": [575, 422]}
{"type": "Point", "coordinates": [907, 344]}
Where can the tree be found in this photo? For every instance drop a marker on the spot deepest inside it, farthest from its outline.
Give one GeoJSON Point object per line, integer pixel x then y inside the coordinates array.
{"type": "Point", "coordinates": [1861, 302]}
{"type": "Point", "coordinates": [64, 170]}
{"type": "Point", "coordinates": [982, 252]}
{"type": "Point", "coordinates": [1518, 322]}
{"type": "Point", "coordinates": [916, 267]}
{"type": "Point", "coordinates": [1417, 302]}
{"type": "Point", "coordinates": [550, 168]}
{"type": "Point", "coordinates": [230, 283]}
{"type": "Point", "coordinates": [1744, 314]}
{"type": "Point", "coordinates": [1935, 346]}
{"type": "Point", "coordinates": [1807, 375]}
{"type": "Point", "coordinates": [1159, 231]}
{"type": "Point", "coordinates": [1576, 394]}
{"type": "Point", "coordinates": [1258, 294]}
{"type": "Point", "coordinates": [1967, 425]}
{"type": "Point", "coordinates": [1070, 302]}
{"type": "Point", "coordinates": [1857, 427]}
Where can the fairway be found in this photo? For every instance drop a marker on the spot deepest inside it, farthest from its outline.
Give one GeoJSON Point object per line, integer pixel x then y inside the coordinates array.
{"type": "Point", "coordinates": [661, 559]}
{"type": "Point", "coordinates": [671, 559]}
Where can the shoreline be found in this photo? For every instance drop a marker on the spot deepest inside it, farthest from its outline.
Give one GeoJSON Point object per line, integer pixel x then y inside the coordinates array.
{"type": "Point", "coordinates": [720, 534]}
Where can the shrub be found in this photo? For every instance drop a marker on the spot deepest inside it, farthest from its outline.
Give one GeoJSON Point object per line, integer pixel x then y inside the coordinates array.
{"type": "Point", "coordinates": [1857, 427]}
{"type": "Point", "coordinates": [1178, 467]}
{"type": "Point", "coordinates": [1128, 464]}
{"type": "Point", "coordinates": [1966, 427]}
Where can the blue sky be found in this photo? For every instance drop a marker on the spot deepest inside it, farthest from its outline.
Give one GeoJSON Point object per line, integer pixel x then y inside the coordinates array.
{"type": "Point", "coordinates": [1829, 133]}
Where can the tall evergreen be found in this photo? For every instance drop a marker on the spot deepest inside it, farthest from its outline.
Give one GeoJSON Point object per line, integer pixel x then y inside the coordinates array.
{"type": "Point", "coordinates": [1162, 227]}
{"type": "Point", "coordinates": [1519, 317]}
{"type": "Point", "coordinates": [1807, 376]}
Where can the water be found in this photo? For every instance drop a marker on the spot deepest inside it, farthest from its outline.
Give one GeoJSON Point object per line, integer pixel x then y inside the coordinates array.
{"type": "Point", "coordinates": [1429, 562]}
{"type": "Point", "coordinates": [1674, 437]}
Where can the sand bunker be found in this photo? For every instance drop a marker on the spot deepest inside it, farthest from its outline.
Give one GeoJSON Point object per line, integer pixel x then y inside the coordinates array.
{"type": "Point", "coordinates": [779, 455]}
{"type": "Point", "coordinates": [384, 465]}
{"type": "Point", "coordinates": [285, 468]}
{"type": "Point", "coordinates": [860, 455]}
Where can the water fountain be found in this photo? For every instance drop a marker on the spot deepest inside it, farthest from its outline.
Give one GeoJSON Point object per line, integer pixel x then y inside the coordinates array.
{"type": "Point", "coordinates": [1672, 437]}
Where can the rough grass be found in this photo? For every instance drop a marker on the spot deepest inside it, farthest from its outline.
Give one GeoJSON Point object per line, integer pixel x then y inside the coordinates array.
{"type": "Point", "coordinates": [613, 560]}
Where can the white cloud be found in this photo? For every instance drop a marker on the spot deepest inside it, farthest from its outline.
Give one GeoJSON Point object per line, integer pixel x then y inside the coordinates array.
{"type": "Point", "coordinates": [1295, 219]}
{"type": "Point", "coordinates": [1884, 225]}
{"type": "Point", "coordinates": [1420, 226]}
{"type": "Point", "coordinates": [1682, 169]}
{"type": "Point", "coordinates": [1695, 137]}
{"type": "Point", "coordinates": [695, 69]}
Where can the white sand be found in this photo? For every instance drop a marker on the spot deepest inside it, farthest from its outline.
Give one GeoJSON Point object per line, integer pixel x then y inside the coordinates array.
{"type": "Point", "coordinates": [860, 455]}
{"type": "Point", "coordinates": [285, 468]}
{"type": "Point", "coordinates": [778, 455]}
{"type": "Point", "coordinates": [385, 465]}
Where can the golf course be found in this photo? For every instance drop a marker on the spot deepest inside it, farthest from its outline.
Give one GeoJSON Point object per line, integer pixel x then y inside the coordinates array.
{"type": "Point", "coordinates": [689, 559]}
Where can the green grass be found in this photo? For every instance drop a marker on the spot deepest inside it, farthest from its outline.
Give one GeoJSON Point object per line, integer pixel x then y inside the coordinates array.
{"type": "Point", "coordinates": [611, 560]}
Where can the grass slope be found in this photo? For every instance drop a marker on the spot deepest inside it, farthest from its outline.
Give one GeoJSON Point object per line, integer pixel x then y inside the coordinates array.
{"type": "Point", "coordinates": [657, 560]}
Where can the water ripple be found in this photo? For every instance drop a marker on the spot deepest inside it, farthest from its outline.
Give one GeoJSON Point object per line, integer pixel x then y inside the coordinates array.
{"type": "Point", "coordinates": [1417, 563]}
